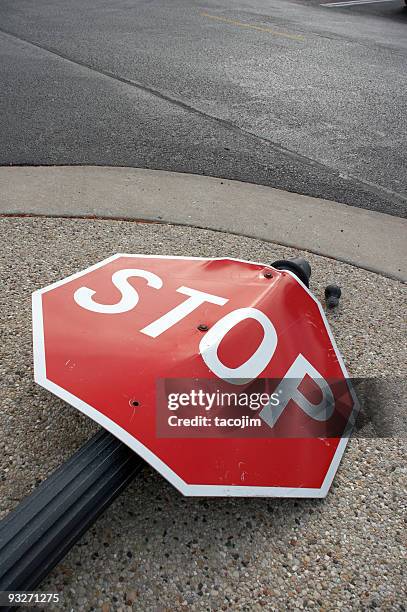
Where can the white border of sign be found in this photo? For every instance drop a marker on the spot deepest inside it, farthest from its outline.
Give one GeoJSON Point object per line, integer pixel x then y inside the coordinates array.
{"type": "Point", "coordinates": [40, 377]}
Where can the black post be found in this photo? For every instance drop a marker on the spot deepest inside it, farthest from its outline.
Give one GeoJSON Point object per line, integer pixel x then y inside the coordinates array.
{"type": "Point", "coordinates": [299, 266]}
{"type": "Point", "coordinates": [46, 524]}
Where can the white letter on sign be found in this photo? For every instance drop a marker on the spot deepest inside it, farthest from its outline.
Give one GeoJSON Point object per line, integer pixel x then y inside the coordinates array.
{"type": "Point", "coordinates": [197, 298]}
{"type": "Point", "coordinates": [288, 390]}
{"type": "Point", "coordinates": [258, 361]}
{"type": "Point", "coordinates": [130, 297]}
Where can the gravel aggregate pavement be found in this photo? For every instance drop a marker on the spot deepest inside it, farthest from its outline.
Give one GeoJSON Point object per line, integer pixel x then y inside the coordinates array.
{"type": "Point", "coordinates": [154, 549]}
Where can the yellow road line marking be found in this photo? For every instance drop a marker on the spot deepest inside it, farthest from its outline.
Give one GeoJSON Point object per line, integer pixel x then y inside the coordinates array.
{"type": "Point", "coordinates": [253, 27]}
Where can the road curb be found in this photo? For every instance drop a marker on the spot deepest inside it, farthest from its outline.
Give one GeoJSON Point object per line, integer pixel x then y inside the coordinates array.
{"type": "Point", "coordinates": [366, 239]}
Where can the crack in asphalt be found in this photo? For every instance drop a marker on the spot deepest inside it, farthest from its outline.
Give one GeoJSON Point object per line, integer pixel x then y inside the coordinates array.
{"type": "Point", "coordinates": [392, 196]}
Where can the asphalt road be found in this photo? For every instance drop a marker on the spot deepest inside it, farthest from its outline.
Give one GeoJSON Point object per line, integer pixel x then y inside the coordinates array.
{"type": "Point", "coordinates": [391, 9]}
{"type": "Point", "coordinates": [295, 95]}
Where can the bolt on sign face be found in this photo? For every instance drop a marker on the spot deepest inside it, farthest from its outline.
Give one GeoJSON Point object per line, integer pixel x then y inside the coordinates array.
{"type": "Point", "coordinates": [222, 374]}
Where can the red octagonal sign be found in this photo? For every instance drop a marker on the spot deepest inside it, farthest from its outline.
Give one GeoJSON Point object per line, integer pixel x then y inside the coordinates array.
{"type": "Point", "coordinates": [222, 374]}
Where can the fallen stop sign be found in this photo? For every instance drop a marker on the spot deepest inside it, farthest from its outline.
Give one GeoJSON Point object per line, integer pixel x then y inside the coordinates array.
{"type": "Point", "coordinates": [136, 341]}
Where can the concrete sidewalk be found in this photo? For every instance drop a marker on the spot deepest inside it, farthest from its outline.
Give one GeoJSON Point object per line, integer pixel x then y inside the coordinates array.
{"type": "Point", "coordinates": [370, 240]}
